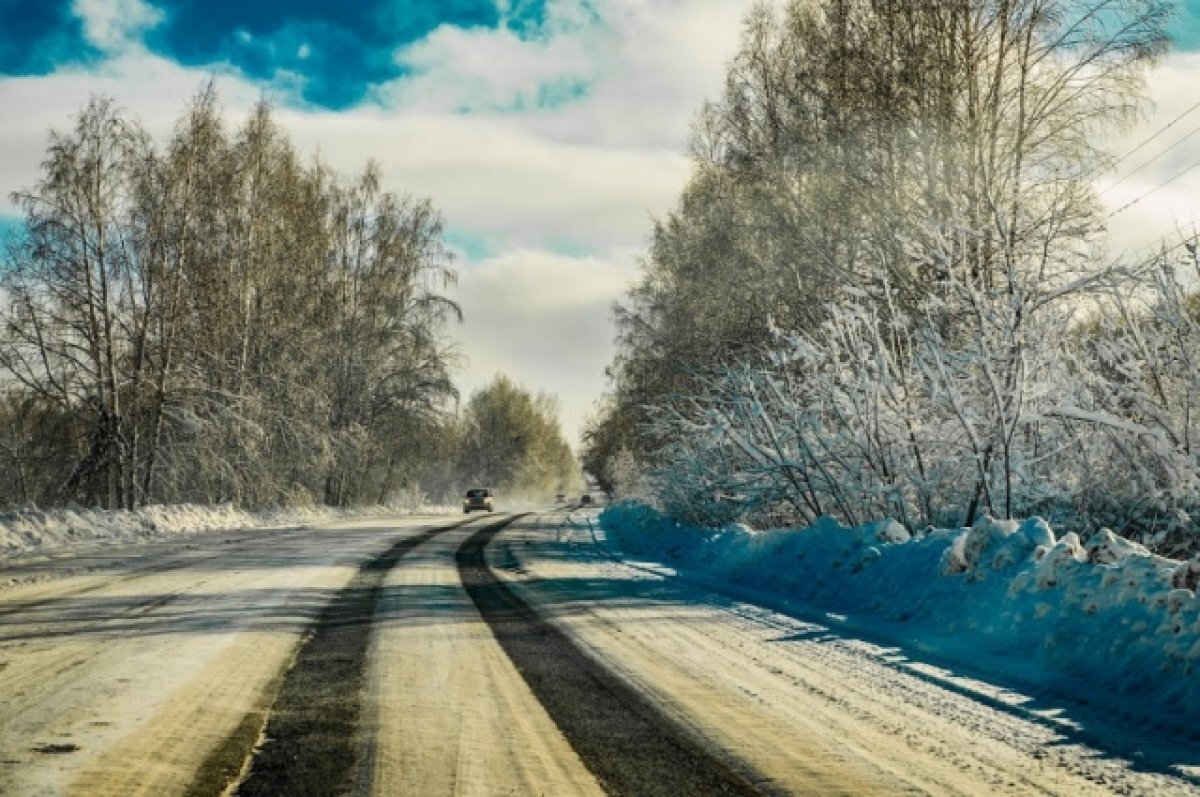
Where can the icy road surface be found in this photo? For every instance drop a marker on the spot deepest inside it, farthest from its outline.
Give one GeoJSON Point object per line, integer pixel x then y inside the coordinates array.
{"type": "Point", "coordinates": [154, 669]}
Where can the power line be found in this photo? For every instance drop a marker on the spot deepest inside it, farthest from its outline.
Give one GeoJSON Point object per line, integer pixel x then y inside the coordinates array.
{"type": "Point", "coordinates": [1153, 136]}
{"type": "Point", "coordinates": [1193, 132]}
{"type": "Point", "coordinates": [1163, 184]}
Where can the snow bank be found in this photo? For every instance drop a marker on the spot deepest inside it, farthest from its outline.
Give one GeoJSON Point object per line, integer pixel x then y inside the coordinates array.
{"type": "Point", "coordinates": [1108, 615]}
{"type": "Point", "coordinates": [32, 529]}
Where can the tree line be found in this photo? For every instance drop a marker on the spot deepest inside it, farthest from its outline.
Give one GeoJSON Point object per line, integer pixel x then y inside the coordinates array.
{"type": "Point", "coordinates": [886, 289]}
{"type": "Point", "coordinates": [507, 438]}
{"type": "Point", "coordinates": [217, 319]}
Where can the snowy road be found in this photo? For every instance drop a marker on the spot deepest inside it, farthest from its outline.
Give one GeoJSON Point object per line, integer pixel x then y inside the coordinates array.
{"type": "Point", "coordinates": [815, 710]}
{"type": "Point", "coordinates": [152, 670]}
{"type": "Point", "coordinates": [449, 712]}
{"type": "Point", "coordinates": [147, 674]}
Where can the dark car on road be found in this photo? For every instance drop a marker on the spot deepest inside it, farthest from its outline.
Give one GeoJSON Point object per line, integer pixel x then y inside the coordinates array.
{"type": "Point", "coordinates": [477, 498]}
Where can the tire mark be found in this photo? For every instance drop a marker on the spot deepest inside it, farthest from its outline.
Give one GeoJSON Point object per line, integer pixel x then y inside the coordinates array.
{"type": "Point", "coordinates": [311, 735]}
{"type": "Point", "coordinates": [179, 559]}
{"type": "Point", "coordinates": [624, 741]}
{"type": "Point", "coordinates": [230, 762]}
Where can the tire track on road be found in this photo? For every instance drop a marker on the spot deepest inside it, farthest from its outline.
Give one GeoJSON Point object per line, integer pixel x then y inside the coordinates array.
{"type": "Point", "coordinates": [312, 733]}
{"type": "Point", "coordinates": [625, 741]}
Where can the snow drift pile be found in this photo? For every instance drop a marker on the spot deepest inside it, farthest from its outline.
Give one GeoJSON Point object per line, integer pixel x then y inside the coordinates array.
{"type": "Point", "coordinates": [29, 528]}
{"type": "Point", "coordinates": [1108, 613]}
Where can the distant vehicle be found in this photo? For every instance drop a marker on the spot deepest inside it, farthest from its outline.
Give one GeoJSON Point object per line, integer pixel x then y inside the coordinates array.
{"type": "Point", "coordinates": [585, 500]}
{"type": "Point", "coordinates": [560, 498]}
{"type": "Point", "coordinates": [477, 498]}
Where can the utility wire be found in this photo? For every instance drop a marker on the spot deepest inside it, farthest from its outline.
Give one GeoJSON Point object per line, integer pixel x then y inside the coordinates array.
{"type": "Point", "coordinates": [1193, 132]}
{"type": "Point", "coordinates": [1153, 136]}
{"type": "Point", "coordinates": [1163, 184]}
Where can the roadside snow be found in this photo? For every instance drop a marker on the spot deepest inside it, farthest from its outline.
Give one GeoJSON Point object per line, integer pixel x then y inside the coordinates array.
{"type": "Point", "coordinates": [29, 529]}
{"type": "Point", "coordinates": [1107, 616]}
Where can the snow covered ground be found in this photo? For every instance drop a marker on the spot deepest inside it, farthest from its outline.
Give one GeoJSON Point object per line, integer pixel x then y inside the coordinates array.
{"type": "Point", "coordinates": [31, 530]}
{"type": "Point", "coordinates": [1103, 622]}
{"type": "Point", "coordinates": [822, 702]}
{"type": "Point", "coordinates": [136, 675]}
{"type": "Point", "coordinates": [126, 678]}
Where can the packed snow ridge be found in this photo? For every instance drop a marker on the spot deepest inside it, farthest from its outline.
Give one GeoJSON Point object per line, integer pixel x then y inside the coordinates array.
{"type": "Point", "coordinates": [1105, 615]}
{"type": "Point", "coordinates": [29, 529]}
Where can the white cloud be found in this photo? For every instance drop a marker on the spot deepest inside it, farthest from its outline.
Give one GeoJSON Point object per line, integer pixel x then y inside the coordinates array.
{"type": "Point", "coordinates": [667, 58]}
{"type": "Point", "coordinates": [647, 68]}
{"type": "Point", "coordinates": [543, 319]}
{"type": "Point", "coordinates": [116, 25]}
{"type": "Point", "coordinates": [481, 69]}
{"type": "Point", "coordinates": [503, 182]}
{"type": "Point", "coordinates": [150, 88]}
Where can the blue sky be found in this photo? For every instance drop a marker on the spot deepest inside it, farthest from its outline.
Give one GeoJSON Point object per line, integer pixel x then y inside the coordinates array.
{"type": "Point", "coordinates": [549, 132]}
{"type": "Point", "coordinates": [1186, 30]}
{"type": "Point", "coordinates": [341, 50]}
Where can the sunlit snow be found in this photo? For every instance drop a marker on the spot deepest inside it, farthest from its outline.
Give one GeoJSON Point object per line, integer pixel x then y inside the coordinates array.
{"type": "Point", "coordinates": [1101, 616]}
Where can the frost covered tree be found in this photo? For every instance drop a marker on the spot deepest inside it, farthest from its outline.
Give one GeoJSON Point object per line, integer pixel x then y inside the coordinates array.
{"type": "Point", "coordinates": [1142, 404]}
{"type": "Point", "coordinates": [854, 308]}
{"type": "Point", "coordinates": [217, 320]}
{"type": "Point", "coordinates": [66, 289]}
{"type": "Point", "coordinates": [511, 440]}
{"type": "Point", "coordinates": [387, 267]}
{"type": "Point", "coordinates": [869, 142]}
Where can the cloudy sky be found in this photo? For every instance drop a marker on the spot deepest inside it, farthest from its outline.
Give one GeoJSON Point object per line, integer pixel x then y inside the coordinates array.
{"type": "Point", "coordinates": [549, 132]}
